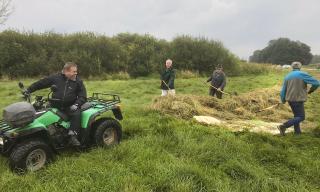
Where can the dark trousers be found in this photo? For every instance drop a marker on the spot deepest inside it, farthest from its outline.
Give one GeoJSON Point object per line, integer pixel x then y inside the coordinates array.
{"type": "Point", "coordinates": [213, 91]}
{"type": "Point", "coordinates": [75, 120]}
{"type": "Point", "coordinates": [299, 115]}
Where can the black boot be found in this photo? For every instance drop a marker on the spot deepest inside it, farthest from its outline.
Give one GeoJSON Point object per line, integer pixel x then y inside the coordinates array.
{"type": "Point", "coordinates": [74, 141]}
{"type": "Point", "coordinates": [282, 129]}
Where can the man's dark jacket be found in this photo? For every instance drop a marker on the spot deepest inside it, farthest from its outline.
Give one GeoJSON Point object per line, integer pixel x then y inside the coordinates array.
{"type": "Point", "coordinates": [69, 92]}
{"type": "Point", "coordinates": [218, 79]}
{"type": "Point", "coordinates": [168, 76]}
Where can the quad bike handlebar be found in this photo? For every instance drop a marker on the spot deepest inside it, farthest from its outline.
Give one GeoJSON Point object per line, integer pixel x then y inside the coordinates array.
{"type": "Point", "coordinates": [39, 102]}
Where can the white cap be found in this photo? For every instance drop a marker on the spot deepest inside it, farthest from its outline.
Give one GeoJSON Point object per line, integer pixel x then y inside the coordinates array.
{"type": "Point", "coordinates": [296, 65]}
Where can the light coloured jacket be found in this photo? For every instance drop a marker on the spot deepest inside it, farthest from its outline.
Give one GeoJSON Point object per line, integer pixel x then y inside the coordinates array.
{"type": "Point", "coordinates": [295, 86]}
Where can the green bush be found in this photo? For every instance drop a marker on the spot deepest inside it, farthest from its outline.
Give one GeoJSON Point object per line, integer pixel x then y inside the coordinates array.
{"type": "Point", "coordinates": [32, 54]}
{"type": "Point", "coordinates": [255, 69]}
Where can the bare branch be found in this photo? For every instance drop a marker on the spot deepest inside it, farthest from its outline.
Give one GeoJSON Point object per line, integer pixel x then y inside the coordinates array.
{"type": "Point", "coordinates": [5, 10]}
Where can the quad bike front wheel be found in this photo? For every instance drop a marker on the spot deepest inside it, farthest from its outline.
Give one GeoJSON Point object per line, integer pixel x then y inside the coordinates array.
{"type": "Point", "coordinates": [108, 133]}
{"type": "Point", "coordinates": [30, 156]}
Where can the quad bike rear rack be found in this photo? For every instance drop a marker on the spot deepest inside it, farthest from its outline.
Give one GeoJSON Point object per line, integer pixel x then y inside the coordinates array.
{"type": "Point", "coordinates": [109, 101]}
{"type": "Point", "coordinates": [106, 99]}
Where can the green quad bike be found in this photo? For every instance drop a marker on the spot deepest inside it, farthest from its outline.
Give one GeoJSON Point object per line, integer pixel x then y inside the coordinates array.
{"type": "Point", "coordinates": [31, 134]}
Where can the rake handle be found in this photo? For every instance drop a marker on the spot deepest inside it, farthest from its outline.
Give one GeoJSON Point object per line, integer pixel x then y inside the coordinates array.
{"type": "Point", "coordinates": [166, 84]}
{"type": "Point", "coordinates": [272, 106]}
{"type": "Point", "coordinates": [218, 89]}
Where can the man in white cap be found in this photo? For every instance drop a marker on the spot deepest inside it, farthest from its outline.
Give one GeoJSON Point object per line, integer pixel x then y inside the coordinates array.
{"type": "Point", "coordinates": [167, 80]}
{"type": "Point", "coordinates": [294, 90]}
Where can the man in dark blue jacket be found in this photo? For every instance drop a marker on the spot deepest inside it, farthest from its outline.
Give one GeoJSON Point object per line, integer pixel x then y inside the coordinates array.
{"type": "Point", "coordinates": [294, 90]}
{"type": "Point", "coordinates": [70, 95]}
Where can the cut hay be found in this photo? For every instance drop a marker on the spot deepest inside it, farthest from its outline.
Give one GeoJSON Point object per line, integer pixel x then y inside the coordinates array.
{"type": "Point", "coordinates": [256, 126]}
{"type": "Point", "coordinates": [244, 106]}
{"type": "Point", "coordinates": [208, 120]}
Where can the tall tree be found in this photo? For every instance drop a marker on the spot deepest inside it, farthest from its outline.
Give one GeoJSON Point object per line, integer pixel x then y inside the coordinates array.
{"type": "Point", "coordinates": [283, 51]}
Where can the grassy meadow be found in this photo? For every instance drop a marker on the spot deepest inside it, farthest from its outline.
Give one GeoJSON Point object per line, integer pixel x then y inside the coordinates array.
{"type": "Point", "coordinates": [162, 153]}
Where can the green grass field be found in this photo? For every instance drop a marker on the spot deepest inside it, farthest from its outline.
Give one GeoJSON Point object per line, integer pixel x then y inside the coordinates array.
{"type": "Point", "coordinates": [162, 153]}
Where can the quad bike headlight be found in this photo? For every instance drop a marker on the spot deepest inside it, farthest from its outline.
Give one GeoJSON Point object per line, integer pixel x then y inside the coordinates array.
{"type": "Point", "coordinates": [1, 141]}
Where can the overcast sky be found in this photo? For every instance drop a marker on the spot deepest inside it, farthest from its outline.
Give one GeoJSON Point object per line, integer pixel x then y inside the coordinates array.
{"type": "Point", "coordinates": [242, 25]}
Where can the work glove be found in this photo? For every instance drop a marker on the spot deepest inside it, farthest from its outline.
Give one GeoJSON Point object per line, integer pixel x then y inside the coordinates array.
{"type": "Point", "coordinates": [25, 93]}
{"type": "Point", "coordinates": [74, 107]}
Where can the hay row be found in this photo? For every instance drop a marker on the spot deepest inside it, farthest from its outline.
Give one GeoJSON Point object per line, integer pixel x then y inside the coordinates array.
{"type": "Point", "coordinates": [243, 106]}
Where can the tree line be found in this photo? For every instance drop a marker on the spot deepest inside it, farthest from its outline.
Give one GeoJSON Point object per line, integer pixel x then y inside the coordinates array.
{"type": "Point", "coordinates": [28, 54]}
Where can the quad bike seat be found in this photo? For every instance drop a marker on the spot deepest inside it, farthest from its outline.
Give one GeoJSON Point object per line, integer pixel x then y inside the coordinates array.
{"type": "Point", "coordinates": [86, 106]}
{"type": "Point", "coordinates": [65, 117]}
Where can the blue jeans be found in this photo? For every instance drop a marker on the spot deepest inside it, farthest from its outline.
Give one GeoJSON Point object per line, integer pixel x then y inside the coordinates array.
{"type": "Point", "coordinates": [299, 115]}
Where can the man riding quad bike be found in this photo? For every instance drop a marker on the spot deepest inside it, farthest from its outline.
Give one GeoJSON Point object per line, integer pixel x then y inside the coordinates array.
{"type": "Point", "coordinates": [31, 134]}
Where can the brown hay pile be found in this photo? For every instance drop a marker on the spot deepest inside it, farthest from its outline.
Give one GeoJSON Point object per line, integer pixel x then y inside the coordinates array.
{"type": "Point", "coordinates": [243, 106]}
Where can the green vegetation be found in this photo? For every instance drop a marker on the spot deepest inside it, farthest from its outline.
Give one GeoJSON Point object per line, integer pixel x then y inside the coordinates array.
{"type": "Point", "coordinates": [163, 153]}
{"type": "Point", "coordinates": [283, 51]}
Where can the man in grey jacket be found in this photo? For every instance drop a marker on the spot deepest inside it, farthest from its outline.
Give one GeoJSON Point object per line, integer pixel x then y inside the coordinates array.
{"type": "Point", "coordinates": [294, 90]}
{"type": "Point", "coordinates": [218, 82]}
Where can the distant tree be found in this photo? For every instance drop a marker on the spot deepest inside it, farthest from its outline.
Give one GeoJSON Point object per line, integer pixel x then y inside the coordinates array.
{"type": "Point", "coordinates": [256, 57]}
{"type": "Point", "coordinates": [5, 10]}
{"type": "Point", "coordinates": [140, 52]}
{"type": "Point", "coordinates": [201, 54]}
{"type": "Point", "coordinates": [283, 51]}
